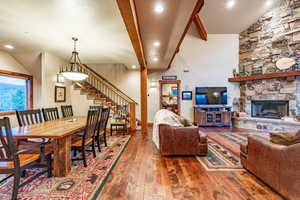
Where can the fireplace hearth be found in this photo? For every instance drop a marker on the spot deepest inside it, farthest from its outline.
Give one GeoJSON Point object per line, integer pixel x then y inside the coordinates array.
{"type": "Point", "coordinates": [270, 109]}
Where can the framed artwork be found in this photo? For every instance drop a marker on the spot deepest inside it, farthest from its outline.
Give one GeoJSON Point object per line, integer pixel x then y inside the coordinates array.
{"type": "Point", "coordinates": [60, 94]}
{"type": "Point", "coordinates": [187, 95]}
{"type": "Point", "coordinates": [169, 77]}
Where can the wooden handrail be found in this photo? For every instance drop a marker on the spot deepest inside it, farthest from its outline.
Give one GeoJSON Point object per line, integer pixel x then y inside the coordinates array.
{"type": "Point", "coordinates": [109, 83]}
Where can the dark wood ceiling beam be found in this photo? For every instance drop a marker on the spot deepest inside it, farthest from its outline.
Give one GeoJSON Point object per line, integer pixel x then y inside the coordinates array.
{"type": "Point", "coordinates": [200, 27]}
{"type": "Point", "coordinates": [128, 12]}
{"type": "Point", "coordinates": [197, 9]}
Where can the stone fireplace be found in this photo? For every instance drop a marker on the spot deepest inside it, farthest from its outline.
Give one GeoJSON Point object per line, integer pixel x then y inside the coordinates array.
{"type": "Point", "coordinates": [269, 109]}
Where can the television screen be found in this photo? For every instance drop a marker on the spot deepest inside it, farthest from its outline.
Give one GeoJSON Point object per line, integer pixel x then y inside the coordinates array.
{"type": "Point", "coordinates": [211, 96]}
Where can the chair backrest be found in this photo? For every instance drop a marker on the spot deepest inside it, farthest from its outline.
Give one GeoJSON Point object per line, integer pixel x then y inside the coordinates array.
{"type": "Point", "coordinates": [7, 147]}
{"type": "Point", "coordinates": [67, 111]}
{"type": "Point", "coordinates": [91, 123]}
{"type": "Point", "coordinates": [28, 117]}
{"type": "Point", "coordinates": [96, 107]}
{"type": "Point", "coordinates": [104, 118]}
{"type": "Point", "coordinates": [50, 114]}
{"type": "Point", "coordinates": [122, 112]}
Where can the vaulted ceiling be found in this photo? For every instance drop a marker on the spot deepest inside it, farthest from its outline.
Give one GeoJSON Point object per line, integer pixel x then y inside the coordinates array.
{"type": "Point", "coordinates": [38, 25]}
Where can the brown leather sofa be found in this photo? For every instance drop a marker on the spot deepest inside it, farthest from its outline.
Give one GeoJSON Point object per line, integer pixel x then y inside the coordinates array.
{"type": "Point", "coordinates": [276, 165]}
{"type": "Point", "coordinates": [182, 141]}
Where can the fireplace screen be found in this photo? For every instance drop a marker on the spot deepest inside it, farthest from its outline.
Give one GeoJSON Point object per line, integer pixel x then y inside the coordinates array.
{"type": "Point", "coordinates": [270, 109]}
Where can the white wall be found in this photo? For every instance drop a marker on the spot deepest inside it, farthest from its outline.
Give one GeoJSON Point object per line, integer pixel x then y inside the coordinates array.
{"type": "Point", "coordinates": [128, 81]}
{"type": "Point", "coordinates": [50, 68]}
{"type": "Point", "coordinates": [210, 64]}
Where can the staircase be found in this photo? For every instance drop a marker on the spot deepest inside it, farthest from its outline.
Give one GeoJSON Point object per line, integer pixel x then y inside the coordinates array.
{"type": "Point", "coordinates": [102, 92]}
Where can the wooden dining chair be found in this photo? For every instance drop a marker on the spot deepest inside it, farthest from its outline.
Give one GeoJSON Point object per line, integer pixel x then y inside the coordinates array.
{"type": "Point", "coordinates": [81, 142]}
{"type": "Point", "coordinates": [67, 111]}
{"type": "Point", "coordinates": [29, 117]}
{"type": "Point", "coordinates": [101, 129]}
{"type": "Point", "coordinates": [96, 107]}
{"type": "Point", "coordinates": [14, 162]}
{"type": "Point", "coordinates": [50, 114]}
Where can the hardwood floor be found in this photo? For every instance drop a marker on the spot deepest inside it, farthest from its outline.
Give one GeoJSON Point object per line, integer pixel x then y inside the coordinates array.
{"type": "Point", "coordinates": [142, 174]}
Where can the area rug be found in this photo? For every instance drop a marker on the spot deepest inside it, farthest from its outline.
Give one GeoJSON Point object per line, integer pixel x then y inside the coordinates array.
{"type": "Point", "coordinates": [82, 183]}
{"type": "Point", "coordinates": [224, 150]}
{"type": "Point", "coordinates": [219, 158]}
{"type": "Point", "coordinates": [232, 141]}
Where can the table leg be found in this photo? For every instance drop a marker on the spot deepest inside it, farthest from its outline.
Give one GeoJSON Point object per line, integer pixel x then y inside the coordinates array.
{"type": "Point", "coordinates": [62, 156]}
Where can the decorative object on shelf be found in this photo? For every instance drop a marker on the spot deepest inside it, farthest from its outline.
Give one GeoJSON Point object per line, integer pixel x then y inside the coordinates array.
{"type": "Point", "coordinates": [60, 94]}
{"type": "Point", "coordinates": [169, 77]}
{"type": "Point", "coordinates": [285, 63]}
{"type": "Point", "coordinates": [74, 70]}
{"type": "Point", "coordinates": [256, 70]}
{"type": "Point", "coordinates": [234, 72]}
{"type": "Point", "coordinates": [175, 91]}
{"type": "Point", "coordinates": [187, 95]}
{"type": "Point", "coordinates": [60, 78]}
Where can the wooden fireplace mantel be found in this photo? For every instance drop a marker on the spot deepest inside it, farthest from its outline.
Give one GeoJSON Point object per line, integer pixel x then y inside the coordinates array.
{"type": "Point", "coordinates": [290, 76]}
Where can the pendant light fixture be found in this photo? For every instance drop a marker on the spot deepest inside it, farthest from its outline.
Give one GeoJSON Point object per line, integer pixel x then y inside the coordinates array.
{"type": "Point", "coordinates": [74, 70]}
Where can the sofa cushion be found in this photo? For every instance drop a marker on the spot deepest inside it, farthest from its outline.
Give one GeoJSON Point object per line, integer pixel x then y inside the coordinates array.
{"type": "Point", "coordinates": [283, 138]}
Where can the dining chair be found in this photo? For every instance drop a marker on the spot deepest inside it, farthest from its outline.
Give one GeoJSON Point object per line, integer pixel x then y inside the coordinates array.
{"type": "Point", "coordinates": [96, 107]}
{"type": "Point", "coordinates": [50, 114]}
{"type": "Point", "coordinates": [14, 162]}
{"type": "Point", "coordinates": [101, 129]}
{"type": "Point", "coordinates": [81, 142]}
{"type": "Point", "coordinates": [29, 117]}
{"type": "Point", "coordinates": [121, 120]}
{"type": "Point", "coordinates": [67, 111]}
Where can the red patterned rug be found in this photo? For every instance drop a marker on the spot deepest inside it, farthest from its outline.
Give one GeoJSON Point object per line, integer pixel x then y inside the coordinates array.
{"type": "Point", "coordinates": [82, 183]}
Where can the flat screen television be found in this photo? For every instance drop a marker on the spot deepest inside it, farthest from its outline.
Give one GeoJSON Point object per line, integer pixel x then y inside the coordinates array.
{"type": "Point", "coordinates": [211, 96]}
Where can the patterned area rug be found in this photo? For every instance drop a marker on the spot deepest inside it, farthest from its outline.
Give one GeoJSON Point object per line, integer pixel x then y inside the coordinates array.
{"type": "Point", "coordinates": [219, 158]}
{"type": "Point", "coordinates": [224, 151]}
{"type": "Point", "coordinates": [82, 183]}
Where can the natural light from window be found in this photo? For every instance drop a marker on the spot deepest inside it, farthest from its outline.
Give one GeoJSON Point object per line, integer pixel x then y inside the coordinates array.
{"type": "Point", "coordinates": [12, 94]}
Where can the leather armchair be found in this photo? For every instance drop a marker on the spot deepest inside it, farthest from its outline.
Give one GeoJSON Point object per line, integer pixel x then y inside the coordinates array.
{"type": "Point", "coordinates": [276, 165]}
{"type": "Point", "coordinates": [182, 141]}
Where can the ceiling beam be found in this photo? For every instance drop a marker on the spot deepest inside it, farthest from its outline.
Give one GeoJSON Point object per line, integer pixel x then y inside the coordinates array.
{"type": "Point", "coordinates": [200, 27]}
{"type": "Point", "coordinates": [196, 9]}
{"type": "Point", "coordinates": [128, 12]}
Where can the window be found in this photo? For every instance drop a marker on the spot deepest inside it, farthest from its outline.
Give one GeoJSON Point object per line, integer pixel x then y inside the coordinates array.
{"type": "Point", "coordinates": [15, 92]}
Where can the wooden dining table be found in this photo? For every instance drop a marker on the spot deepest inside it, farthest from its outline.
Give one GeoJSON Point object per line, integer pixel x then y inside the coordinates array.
{"type": "Point", "coordinates": [60, 131]}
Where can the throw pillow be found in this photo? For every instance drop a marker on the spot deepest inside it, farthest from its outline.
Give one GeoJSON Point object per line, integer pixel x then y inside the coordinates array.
{"type": "Point", "coordinates": [184, 121]}
{"type": "Point", "coordinates": [282, 138]}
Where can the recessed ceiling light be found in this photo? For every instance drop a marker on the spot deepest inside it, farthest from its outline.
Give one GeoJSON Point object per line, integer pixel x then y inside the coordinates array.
{"type": "Point", "coordinates": [157, 43]}
{"type": "Point", "coordinates": [155, 59]}
{"type": "Point", "coordinates": [158, 8]}
{"type": "Point", "coordinates": [133, 66]}
{"type": "Point", "coordinates": [8, 46]}
{"type": "Point", "coordinates": [269, 3]}
{"type": "Point", "coordinates": [230, 3]}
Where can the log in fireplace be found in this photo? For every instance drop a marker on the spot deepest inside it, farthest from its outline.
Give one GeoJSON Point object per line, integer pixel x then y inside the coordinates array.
{"type": "Point", "coordinates": [270, 109]}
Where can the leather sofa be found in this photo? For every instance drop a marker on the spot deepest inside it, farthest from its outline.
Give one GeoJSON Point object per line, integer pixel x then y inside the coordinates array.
{"type": "Point", "coordinates": [182, 141]}
{"type": "Point", "coordinates": [276, 165]}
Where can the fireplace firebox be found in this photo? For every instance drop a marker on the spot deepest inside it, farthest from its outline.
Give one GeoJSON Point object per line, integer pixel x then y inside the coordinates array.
{"type": "Point", "coordinates": [270, 109]}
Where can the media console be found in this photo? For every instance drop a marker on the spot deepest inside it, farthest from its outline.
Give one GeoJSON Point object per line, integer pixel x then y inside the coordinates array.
{"type": "Point", "coordinates": [212, 115]}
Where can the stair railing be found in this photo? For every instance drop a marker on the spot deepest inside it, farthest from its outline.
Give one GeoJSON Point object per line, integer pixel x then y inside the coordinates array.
{"type": "Point", "coordinates": [111, 93]}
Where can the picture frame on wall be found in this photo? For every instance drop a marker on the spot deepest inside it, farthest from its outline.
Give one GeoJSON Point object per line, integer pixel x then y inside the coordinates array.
{"type": "Point", "coordinates": [187, 95]}
{"type": "Point", "coordinates": [169, 77]}
{"type": "Point", "coordinates": [60, 94]}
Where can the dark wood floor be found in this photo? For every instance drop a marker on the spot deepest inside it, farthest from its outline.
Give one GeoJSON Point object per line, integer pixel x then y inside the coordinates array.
{"type": "Point", "coordinates": [142, 174]}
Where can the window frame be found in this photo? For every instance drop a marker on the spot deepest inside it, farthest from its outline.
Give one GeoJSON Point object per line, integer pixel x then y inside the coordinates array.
{"type": "Point", "coordinates": [29, 88]}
